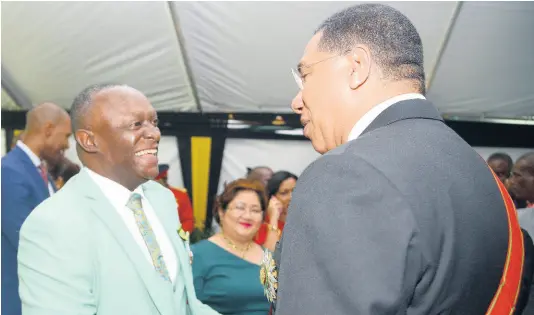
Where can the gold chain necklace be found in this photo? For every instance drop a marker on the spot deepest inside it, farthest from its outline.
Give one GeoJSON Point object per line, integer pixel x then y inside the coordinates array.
{"type": "Point", "coordinates": [244, 252]}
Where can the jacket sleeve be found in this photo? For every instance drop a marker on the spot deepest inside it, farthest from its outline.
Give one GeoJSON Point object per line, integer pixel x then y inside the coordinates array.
{"type": "Point", "coordinates": [17, 204]}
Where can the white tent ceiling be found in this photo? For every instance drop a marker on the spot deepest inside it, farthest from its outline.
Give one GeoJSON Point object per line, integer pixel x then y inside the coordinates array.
{"type": "Point", "coordinates": [235, 56]}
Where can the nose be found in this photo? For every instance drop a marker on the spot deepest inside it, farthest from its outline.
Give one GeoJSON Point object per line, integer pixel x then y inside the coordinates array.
{"type": "Point", "coordinates": [297, 104]}
{"type": "Point", "coordinates": [247, 214]}
{"type": "Point", "coordinates": [153, 132]}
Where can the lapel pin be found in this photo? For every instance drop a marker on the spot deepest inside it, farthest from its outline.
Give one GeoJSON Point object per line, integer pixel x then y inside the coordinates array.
{"type": "Point", "coordinates": [184, 235]}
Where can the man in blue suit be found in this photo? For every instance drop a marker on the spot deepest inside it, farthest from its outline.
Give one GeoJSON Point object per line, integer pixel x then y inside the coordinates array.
{"type": "Point", "coordinates": [25, 184]}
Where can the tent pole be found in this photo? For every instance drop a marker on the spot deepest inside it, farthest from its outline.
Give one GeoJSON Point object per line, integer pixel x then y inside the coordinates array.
{"type": "Point", "coordinates": [444, 43]}
{"type": "Point", "coordinates": [13, 90]}
{"type": "Point", "coordinates": [181, 43]}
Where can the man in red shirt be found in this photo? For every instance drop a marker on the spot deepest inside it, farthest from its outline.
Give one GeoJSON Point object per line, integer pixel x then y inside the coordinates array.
{"type": "Point", "coordinates": [185, 209]}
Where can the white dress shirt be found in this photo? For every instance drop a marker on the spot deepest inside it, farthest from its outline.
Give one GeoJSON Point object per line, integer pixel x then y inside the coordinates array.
{"type": "Point", "coordinates": [118, 196]}
{"type": "Point", "coordinates": [36, 161]}
{"type": "Point", "coordinates": [371, 115]}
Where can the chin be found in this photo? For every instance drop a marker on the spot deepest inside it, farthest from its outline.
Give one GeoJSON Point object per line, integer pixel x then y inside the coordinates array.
{"type": "Point", "coordinates": [149, 174]}
{"type": "Point", "coordinates": [319, 147]}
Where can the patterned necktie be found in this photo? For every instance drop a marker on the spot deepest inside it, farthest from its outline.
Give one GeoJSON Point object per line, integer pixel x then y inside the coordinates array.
{"type": "Point", "coordinates": [134, 203]}
{"type": "Point", "coordinates": [44, 173]}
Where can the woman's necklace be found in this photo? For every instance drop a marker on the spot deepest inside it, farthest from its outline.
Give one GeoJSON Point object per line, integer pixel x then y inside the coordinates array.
{"type": "Point", "coordinates": [243, 251]}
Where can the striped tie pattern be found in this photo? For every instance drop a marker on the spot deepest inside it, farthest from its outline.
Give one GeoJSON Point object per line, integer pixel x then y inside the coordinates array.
{"type": "Point", "coordinates": [134, 203]}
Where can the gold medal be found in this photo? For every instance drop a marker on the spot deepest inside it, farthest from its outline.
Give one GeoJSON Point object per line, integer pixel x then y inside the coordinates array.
{"type": "Point", "coordinates": [269, 276]}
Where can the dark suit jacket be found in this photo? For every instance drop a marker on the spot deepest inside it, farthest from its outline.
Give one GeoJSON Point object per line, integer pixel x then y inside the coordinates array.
{"type": "Point", "coordinates": [22, 190]}
{"type": "Point", "coordinates": [405, 219]}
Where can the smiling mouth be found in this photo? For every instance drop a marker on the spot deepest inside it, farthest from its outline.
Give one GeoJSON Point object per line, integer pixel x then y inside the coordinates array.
{"type": "Point", "coordinates": [145, 152]}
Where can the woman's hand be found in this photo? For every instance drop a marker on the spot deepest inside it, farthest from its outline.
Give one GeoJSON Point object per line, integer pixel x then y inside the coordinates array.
{"type": "Point", "coordinates": [274, 210]}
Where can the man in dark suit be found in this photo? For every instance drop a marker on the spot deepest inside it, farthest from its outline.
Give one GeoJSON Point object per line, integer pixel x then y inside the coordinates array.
{"type": "Point", "coordinates": [25, 184]}
{"type": "Point", "coordinates": [400, 215]}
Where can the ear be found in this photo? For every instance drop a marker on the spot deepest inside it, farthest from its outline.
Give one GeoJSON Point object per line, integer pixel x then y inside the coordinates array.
{"type": "Point", "coordinates": [86, 140]}
{"type": "Point", "coordinates": [221, 213]}
{"type": "Point", "coordinates": [48, 129]}
{"type": "Point", "coordinates": [360, 66]}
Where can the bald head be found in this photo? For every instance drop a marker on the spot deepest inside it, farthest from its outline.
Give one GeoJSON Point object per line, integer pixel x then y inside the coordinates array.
{"type": "Point", "coordinates": [261, 173]}
{"type": "Point", "coordinates": [528, 160]}
{"type": "Point", "coordinates": [84, 101]}
{"type": "Point", "coordinates": [41, 115]}
{"type": "Point", "coordinates": [47, 131]}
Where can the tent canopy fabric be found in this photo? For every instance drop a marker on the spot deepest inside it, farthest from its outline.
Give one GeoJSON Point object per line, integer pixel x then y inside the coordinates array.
{"type": "Point", "coordinates": [236, 56]}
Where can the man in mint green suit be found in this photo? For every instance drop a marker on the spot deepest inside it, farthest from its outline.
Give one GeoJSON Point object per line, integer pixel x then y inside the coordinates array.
{"type": "Point", "coordinates": [107, 243]}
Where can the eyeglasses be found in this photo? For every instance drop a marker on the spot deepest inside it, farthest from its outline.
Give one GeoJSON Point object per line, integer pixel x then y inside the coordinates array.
{"type": "Point", "coordinates": [297, 73]}
{"type": "Point", "coordinates": [242, 210]}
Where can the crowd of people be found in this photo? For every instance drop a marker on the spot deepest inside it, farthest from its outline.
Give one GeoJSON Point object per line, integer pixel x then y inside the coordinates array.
{"type": "Point", "coordinates": [251, 213]}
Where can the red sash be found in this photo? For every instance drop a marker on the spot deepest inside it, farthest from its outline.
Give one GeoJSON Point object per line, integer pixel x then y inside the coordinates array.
{"type": "Point", "coordinates": [504, 301]}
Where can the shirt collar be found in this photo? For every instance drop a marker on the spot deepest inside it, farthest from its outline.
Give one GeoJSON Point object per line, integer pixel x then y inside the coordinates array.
{"type": "Point", "coordinates": [371, 115]}
{"type": "Point", "coordinates": [115, 192]}
{"type": "Point", "coordinates": [33, 157]}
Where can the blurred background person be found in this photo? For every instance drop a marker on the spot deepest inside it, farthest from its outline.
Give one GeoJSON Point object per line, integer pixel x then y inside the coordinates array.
{"type": "Point", "coordinates": [279, 191]}
{"type": "Point", "coordinates": [226, 266]}
{"type": "Point", "coordinates": [25, 184]}
{"type": "Point", "coordinates": [185, 209]}
{"type": "Point", "coordinates": [501, 164]}
{"type": "Point", "coordinates": [521, 184]}
{"type": "Point", "coordinates": [261, 173]}
{"type": "Point", "coordinates": [63, 171]}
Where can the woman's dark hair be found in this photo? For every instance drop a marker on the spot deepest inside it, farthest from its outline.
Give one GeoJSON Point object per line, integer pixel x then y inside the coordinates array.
{"type": "Point", "coordinates": [65, 168]}
{"type": "Point", "coordinates": [232, 189]}
{"type": "Point", "coordinates": [69, 171]}
{"type": "Point", "coordinates": [273, 185]}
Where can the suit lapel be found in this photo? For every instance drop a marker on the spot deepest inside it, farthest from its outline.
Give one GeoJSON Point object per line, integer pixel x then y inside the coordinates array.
{"type": "Point", "coordinates": [159, 291]}
{"type": "Point", "coordinates": [156, 199]}
{"type": "Point", "coordinates": [409, 109]}
{"type": "Point", "coordinates": [33, 172]}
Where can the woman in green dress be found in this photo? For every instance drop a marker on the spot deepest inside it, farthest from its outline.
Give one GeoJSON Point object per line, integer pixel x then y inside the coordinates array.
{"type": "Point", "coordinates": [226, 266]}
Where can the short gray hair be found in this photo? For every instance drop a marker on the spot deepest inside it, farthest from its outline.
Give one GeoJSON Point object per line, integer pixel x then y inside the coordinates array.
{"type": "Point", "coordinates": [393, 40]}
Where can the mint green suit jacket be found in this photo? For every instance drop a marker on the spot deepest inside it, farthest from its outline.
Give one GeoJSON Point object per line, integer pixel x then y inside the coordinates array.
{"type": "Point", "coordinates": [76, 256]}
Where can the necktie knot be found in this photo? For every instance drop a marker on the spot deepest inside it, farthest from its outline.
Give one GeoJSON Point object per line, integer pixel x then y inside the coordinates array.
{"type": "Point", "coordinates": [134, 203]}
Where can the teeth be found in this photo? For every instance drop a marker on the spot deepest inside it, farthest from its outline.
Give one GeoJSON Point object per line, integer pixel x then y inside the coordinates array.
{"type": "Point", "coordinates": [150, 151]}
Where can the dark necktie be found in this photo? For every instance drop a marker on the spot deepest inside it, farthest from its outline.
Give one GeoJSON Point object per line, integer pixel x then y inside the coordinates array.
{"type": "Point", "coordinates": [44, 173]}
